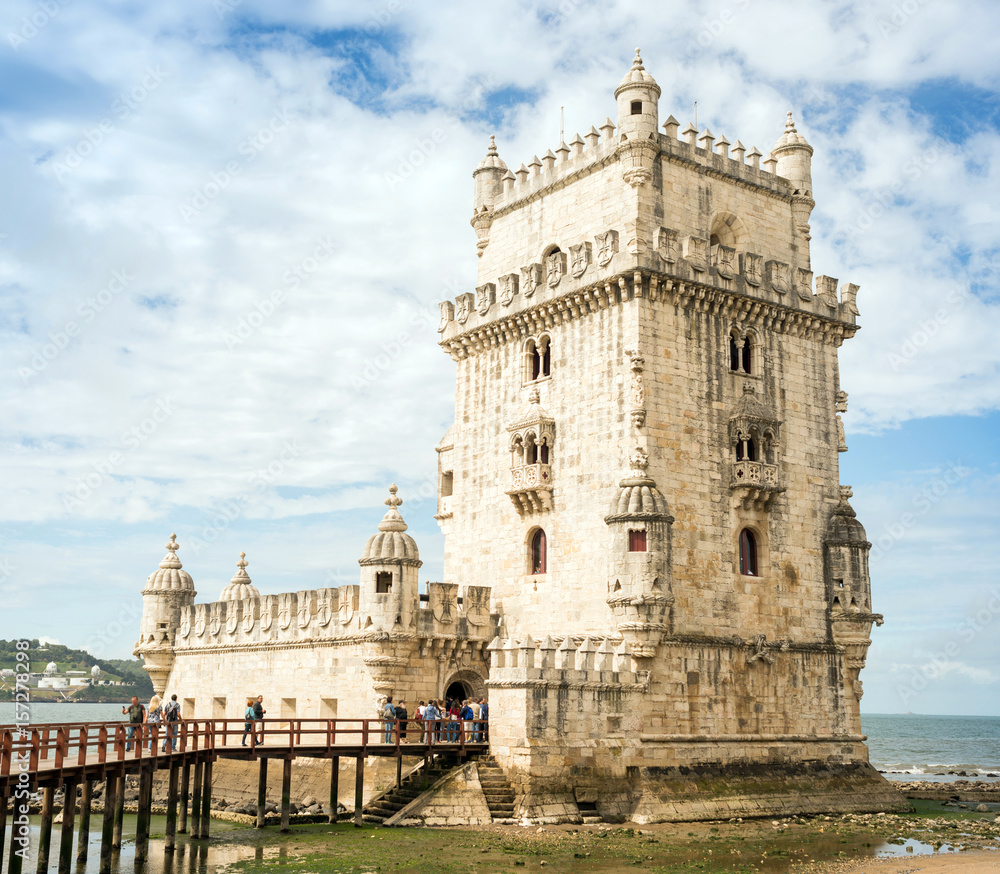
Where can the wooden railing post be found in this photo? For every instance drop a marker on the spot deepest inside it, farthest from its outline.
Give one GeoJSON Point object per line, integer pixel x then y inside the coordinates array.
{"type": "Point", "coordinates": [102, 740]}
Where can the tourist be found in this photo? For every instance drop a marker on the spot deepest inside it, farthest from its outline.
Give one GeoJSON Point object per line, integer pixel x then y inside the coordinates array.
{"type": "Point", "coordinates": [249, 717]}
{"type": "Point", "coordinates": [258, 716]}
{"type": "Point", "coordinates": [431, 722]}
{"type": "Point", "coordinates": [453, 717]}
{"type": "Point", "coordinates": [154, 718]}
{"type": "Point", "coordinates": [418, 715]}
{"type": "Point", "coordinates": [136, 717]}
{"type": "Point", "coordinates": [172, 717]}
{"type": "Point", "coordinates": [389, 715]}
{"type": "Point", "coordinates": [401, 715]}
{"type": "Point", "coordinates": [485, 708]}
{"type": "Point", "coordinates": [465, 714]}
{"type": "Point", "coordinates": [477, 726]}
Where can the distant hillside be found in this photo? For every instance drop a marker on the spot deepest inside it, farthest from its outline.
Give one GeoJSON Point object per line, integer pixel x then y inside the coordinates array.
{"type": "Point", "coordinates": [124, 670]}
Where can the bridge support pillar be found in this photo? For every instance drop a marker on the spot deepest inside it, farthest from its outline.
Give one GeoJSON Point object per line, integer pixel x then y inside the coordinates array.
{"type": "Point", "coordinates": [142, 818]}
{"type": "Point", "coordinates": [108, 822]}
{"type": "Point", "coordinates": [206, 799]}
{"type": "Point", "coordinates": [14, 860]}
{"type": "Point", "coordinates": [359, 791]}
{"type": "Point", "coordinates": [286, 792]}
{"type": "Point", "coordinates": [196, 802]}
{"type": "Point", "coordinates": [68, 819]}
{"type": "Point", "coordinates": [119, 779]}
{"type": "Point", "coordinates": [262, 794]}
{"type": "Point", "coordinates": [334, 787]}
{"type": "Point", "coordinates": [45, 830]}
{"type": "Point", "coordinates": [185, 797]}
{"type": "Point", "coordinates": [170, 838]}
{"type": "Point", "coordinates": [83, 841]}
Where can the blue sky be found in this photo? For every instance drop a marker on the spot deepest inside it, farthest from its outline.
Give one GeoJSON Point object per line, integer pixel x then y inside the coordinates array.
{"type": "Point", "coordinates": [227, 227]}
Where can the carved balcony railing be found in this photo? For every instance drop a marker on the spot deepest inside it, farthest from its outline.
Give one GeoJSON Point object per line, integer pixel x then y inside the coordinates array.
{"type": "Point", "coordinates": [531, 488]}
{"type": "Point", "coordinates": [756, 483]}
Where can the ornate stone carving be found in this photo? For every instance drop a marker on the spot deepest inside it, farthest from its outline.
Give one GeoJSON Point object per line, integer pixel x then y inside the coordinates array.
{"type": "Point", "coordinates": [531, 442]}
{"type": "Point", "coordinates": [185, 629]}
{"type": "Point", "coordinates": [463, 307]}
{"type": "Point", "coordinates": [694, 253]}
{"type": "Point", "coordinates": [485, 295]}
{"type": "Point", "coordinates": [778, 276]}
{"type": "Point", "coordinates": [199, 620]}
{"type": "Point", "coordinates": [841, 408]}
{"type": "Point", "coordinates": [637, 390]}
{"type": "Point", "coordinates": [531, 278]}
{"type": "Point", "coordinates": [325, 608]}
{"type": "Point", "coordinates": [580, 255]}
{"type": "Point", "coordinates": [804, 283]}
{"type": "Point", "coordinates": [232, 616]}
{"type": "Point", "coordinates": [555, 268]}
{"type": "Point", "coordinates": [725, 261]}
{"type": "Point", "coordinates": [447, 314]}
{"type": "Point", "coordinates": [249, 617]}
{"type": "Point", "coordinates": [607, 247]}
{"type": "Point", "coordinates": [666, 245]}
{"type": "Point", "coordinates": [760, 652]}
{"type": "Point", "coordinates": [266, 612]}
{"type": "Point", "coordinates": [508, 288]}
{"type": "Point", "coordinates": [752, 267]}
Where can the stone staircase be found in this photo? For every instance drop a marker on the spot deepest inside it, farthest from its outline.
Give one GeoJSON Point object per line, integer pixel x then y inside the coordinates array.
{"type": "Point", "coordinates": [498, 792]}
{"type": "Point", "coordinates": [383, 806]}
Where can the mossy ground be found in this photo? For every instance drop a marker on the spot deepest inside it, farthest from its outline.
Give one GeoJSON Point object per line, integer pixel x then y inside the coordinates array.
{"type": "Point", "coordinates": [792, 844]}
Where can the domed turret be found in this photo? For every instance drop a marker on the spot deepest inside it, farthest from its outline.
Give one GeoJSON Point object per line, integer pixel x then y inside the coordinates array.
{"type": "Point", "coordinates": [845, 550]}
{"type": "Point", "coordinates": [488, 176]}
{"type": "Point", "coordinates": [389, 566]}
{"type": "Point", "coordinates": [240, 587]}
{"type": "Point", "coordinates": [794, 157]}
{"type": "Point", "coordinates": [168, 590]}
{"type": "Point", "coordinates": [638, 102]}
{"type": "Point", "coordinates": [51, 668]}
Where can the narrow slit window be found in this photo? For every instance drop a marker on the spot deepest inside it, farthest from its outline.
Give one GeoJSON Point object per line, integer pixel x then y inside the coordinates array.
{"type": "Point", "coordinates": [748, 553]}
{"type": "Point", "coordinates": [538, 553]}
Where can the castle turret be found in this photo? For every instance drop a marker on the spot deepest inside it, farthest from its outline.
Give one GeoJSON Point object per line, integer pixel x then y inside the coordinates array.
{"type": "Point", "coordinates": [240, 587]}
{"type": "Point", "coordinates": [488, 179]}
{"type": "Point", "coordinates": [794, 161]}
{"type": "Point", "coordinates": [167, 592]}
{"type": "Point", "coordinates": [638, 98]}
{"type": "Point", "coordinates": [639, 586]}
{"type": "Point", "coordinates": [389, 581]}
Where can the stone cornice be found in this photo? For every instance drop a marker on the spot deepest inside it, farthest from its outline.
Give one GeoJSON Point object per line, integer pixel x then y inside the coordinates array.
{"type": "Point", "coordinates": [320, 642]}
{"type": "Point", "coordinates": [621, 288]}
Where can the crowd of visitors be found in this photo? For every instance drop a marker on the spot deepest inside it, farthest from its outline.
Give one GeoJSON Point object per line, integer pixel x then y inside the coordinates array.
{"type": "Point", "coordinates": [438, 719]}
{"type": "Point", "coordinates": [157, 713]}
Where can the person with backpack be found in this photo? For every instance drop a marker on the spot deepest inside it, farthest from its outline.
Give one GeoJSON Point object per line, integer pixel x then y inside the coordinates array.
{"type": "Point", "coordinates": [249, 717]}
{"type": "Point", "coordinates": [389, 714]}
{"type": "Point", "coordinates": [401, 716]}
{"type": "Point", "coordinates": [172, 717]}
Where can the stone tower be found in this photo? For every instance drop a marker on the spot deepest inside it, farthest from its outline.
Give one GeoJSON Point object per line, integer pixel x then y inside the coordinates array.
{"type": "Point", "coordinates": [167, 592]}
{"type": "Point", "coordinates": [644, 468]}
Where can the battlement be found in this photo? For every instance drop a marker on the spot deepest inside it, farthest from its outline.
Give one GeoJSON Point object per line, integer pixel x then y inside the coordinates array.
{"type": "Point", "coordinates": [331, 613]}
{"type": "Point", "coordinates": [522, 663]}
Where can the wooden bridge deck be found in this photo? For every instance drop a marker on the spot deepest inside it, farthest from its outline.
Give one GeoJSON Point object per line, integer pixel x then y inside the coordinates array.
{"type": "Point", "coordinates": [72, 755]}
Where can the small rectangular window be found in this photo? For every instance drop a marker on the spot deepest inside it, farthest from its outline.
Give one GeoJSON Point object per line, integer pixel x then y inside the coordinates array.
{"type": "Point", "coordinates": [383, 583]}
{"type": "Point", "coordinates": [637, 541]}
{"type": "Point", "coordinates": [447, 483]}
{"type": "Point", "coordinates": [636, 107]}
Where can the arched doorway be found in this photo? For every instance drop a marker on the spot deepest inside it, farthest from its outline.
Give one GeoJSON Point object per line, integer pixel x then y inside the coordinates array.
{"type": "Point", "coordinates": [465, 684]}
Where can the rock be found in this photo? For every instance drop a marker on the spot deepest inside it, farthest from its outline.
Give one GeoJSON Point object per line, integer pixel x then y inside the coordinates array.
{"type": "Point", "coordinates": [308, 802]}
{"type": "Point", "coordinates": [982, 808]}
{"type": "Point", "coordinates": [222, 804]}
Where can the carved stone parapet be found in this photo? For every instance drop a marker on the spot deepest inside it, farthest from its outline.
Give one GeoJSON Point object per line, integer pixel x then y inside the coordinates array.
{"type": "Point", "coordinates": [756, 483]}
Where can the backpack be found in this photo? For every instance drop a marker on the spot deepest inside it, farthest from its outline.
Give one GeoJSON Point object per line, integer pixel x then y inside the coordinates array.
{"type": "Point", "coordinates": [173, 711]}
{"type": "Point", "coordinates": [249, 715]}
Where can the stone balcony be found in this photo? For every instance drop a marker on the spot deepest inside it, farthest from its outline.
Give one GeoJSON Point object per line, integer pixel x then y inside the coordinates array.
{"type": "Point", "coordinates": [531, 488]}
{"type": "Point", "coordinates": [756, 483]}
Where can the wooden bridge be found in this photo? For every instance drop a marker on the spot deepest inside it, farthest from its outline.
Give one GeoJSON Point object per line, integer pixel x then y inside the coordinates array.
{"type": "Point", "coordinates": [71, 755]}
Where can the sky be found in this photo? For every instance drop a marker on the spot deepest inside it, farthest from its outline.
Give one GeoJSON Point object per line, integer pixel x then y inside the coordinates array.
{"type": "Point", "coordinates": [226, 226]}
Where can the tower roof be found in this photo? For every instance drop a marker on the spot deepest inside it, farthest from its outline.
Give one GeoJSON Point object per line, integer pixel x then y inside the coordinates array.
{"type": "Point", "coordinates": [844, 526]}
{"type": "Point", "coordinates": [240, 587]}
{"type": "Point", "coordinates": [392, 543]}
{"type": "Point", "coordinates": [170, 577]}
{"type": "Point", "coordinates": [637, 75]}
{"type": "Point", "coordinates": [791, 137]}
{"type": "Point", "coordinates": [638, 497]}
{"type": "Point", "coordinates": [492, 159]}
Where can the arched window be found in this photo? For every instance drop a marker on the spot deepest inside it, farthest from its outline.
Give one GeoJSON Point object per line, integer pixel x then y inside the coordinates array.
{"type": "Point", "coordinates": [748, 553]}
{"type": "Point", "coordinates": [734, 353]}
{"type": "Point", "coordinates": [741, 353]}
{"type": "Point", "coordinates": [538, 359]}
{"type": "Point", "coordinates": [543, 451]}
{"type": "Point", "coordinates": [538, 556]}
{"type": "Point", "coordinates": [746, 449]}
{"type": "Point", "coordinates": [530, 450]}
{"type": "Point", "coordinates": [637, 541]}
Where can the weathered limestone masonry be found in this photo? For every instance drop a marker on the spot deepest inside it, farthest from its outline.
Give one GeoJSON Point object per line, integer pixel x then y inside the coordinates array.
{"type": "Point", "coordinates": [644, 467]}
{"type": "Point", "coordinates": [650, 562]}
